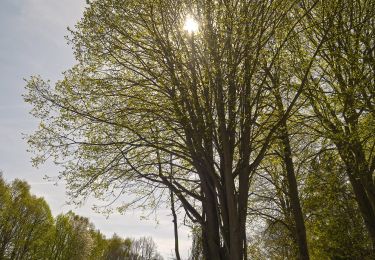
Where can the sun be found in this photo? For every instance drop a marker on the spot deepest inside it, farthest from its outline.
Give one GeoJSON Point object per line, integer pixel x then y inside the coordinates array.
{"type": "Point", "coordinates": [191, 25]}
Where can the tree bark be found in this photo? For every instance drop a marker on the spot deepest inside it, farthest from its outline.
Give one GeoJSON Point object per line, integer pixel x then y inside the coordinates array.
{"type": "Point", "coordinates": [300, 229]}
{"type": "Point", "coordinates": [360, 179]}
{"type": "Point", "coordinates": [210, 226]}
{"type": "Point", "coordinates": [365, 207]}
{"type": "Point", "coordinates": [294, 196]}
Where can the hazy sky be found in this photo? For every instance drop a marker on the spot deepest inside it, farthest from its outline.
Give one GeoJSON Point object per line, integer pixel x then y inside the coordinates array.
{"type": "Point", "coordinates": [32, 42]}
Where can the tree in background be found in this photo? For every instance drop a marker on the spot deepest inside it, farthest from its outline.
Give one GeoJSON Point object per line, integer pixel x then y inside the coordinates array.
{"type": "Point", "coordinates": [118, 248]}
{"type": "Point", "coordinates": [335, 227]}
{"type": "Point", "coordinates": [71, 238]}
{"type": "Point", "coordinates": [24, 222]}
{"type": "Point", "coordinates": [341, 93]}
{"type": "Point", "coordinates": [100, 245]}
{"type": "Point", "coordinates": [339, 111]}
{"type": "Point", "coordinates": [29, 232]}
{"type": "Point", "coordinates": [144, 248]}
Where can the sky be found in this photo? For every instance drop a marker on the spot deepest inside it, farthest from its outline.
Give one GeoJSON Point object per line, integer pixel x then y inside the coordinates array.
{"type": "Point", "coordinates": [32, 43]}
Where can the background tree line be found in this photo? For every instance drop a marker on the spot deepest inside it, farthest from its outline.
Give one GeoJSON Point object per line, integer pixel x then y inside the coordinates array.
{"type": "Point", "coordinates": [260, 124]}
{"type": "Point", "coordinates": [29, 231]}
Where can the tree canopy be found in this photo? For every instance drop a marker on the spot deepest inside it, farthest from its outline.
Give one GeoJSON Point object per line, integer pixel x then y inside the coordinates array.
{"type": "Point", "coordinates": [151, 108]}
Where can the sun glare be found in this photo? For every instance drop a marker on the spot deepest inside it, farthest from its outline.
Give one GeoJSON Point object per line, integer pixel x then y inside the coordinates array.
{"type": "Point", "coordinates": [191, 25]}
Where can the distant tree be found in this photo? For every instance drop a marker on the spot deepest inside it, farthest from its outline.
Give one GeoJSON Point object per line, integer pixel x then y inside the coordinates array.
{"type": "Point", "coordinates": [144, 248]}
{"type": "Point", "coordinates": [28, 232]}
{"type": "Point", "coordinates": [100, 244]}
{"type": "Point", "coordinates": [71, 238]}
{"type": "Point", "coordinates": [117, 248]}
{"type": "Point", "coordinates": [281, 168]}
{"type": "Point", "coordinates": [24, 222]}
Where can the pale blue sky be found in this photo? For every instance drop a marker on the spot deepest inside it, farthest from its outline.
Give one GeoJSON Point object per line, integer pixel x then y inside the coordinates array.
{"type": "Point", "coordinates": [32, 42]}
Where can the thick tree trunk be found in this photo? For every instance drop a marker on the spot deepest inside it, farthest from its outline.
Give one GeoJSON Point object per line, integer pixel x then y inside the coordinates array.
{"type": "Point", "coordinates": [363, 172]}
{"type": "Point", "coordinates": [211, 241]}
{"type": "Point", "coordinates": [217, 243]}
{"type": "Point", "coordinates": [361, 181]}
{"type": "Point", "coordinates": [210, 227]}
{"type": "Point", "coordinates": [244, 180]}
{"type": "Point", "coordinates": [235, 246]}
{"type": "Point", "coordinates": [365, 207]}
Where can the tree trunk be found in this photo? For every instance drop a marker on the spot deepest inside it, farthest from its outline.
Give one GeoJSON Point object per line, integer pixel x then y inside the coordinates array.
{"type": "Point", "coordinates": [363, 172]}
{"type": "Point", "coordinates": [293, 195]}
{"type": "Point", "coordinates": [300, 229]}
{"type": "Point", "coordinates": [365, 207]}
{"type": "Point", "coordinates": [175, 226]}
{"type": "Point", "coordinates": [210, 227]}
{"type": "Point", "coordinates": [363, 187]}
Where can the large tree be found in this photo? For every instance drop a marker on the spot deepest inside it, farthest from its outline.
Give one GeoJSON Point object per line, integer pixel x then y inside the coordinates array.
{"type": "Point", "coordinates": [145, 90]}
{"type": "Point", "coordinates": [341, 93]}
